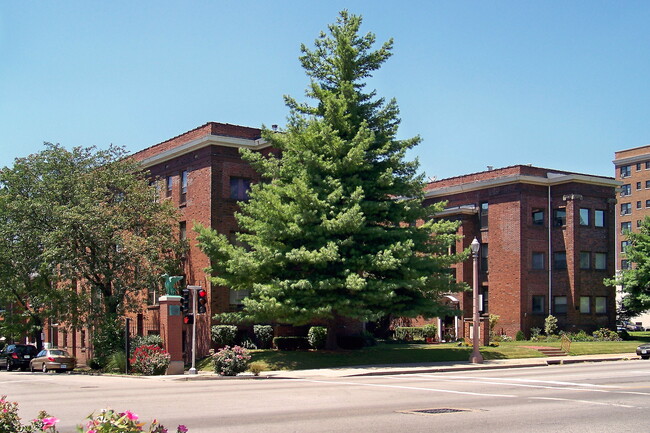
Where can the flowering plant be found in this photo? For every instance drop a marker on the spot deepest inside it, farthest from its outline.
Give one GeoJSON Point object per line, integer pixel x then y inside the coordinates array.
{"type": "Point", "coordinates": [150, 360]}
{"type": "Point", "coordinates": [109, 421]}
{"type": "Point", "coordinates": [229, 361]}
{"type": "Point", "coordinates": [10, 421]}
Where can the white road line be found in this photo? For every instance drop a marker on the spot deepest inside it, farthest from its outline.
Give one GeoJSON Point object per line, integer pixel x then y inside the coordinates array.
{"type": "Point", "coordinates": [609, 390]}
{"type": "Point", "coordinates": [550, 382]}
{"type": "Point", "coordinates": [520, 385]}
{"type": "Point", "coordinates": [585, 402]}
{"type": "Point", "coordinates": [27, 380]}
{"type": "Point", "coordinates": [413, 388]}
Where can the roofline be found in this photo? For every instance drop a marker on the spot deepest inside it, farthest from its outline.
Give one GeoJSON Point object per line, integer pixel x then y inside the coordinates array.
{"type": "Point", "coordinates": [200, 143]}
{"type": "Point", "coordinates": [632, 159]}
{"type": "Point", "coordinates": [550, 180]}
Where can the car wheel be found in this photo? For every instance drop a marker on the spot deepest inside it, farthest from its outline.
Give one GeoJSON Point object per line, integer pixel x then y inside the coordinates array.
{"type": "Point", "coordinates": [645, 357]}
{"type": "Point", "coordinates": [8, 366]}
{"type": "Point", "coordinates": [44, 368]}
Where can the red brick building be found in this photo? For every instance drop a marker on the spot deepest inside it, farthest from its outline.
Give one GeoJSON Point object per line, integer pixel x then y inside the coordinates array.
{"type": "Point", "coordinates": [203, 174]}
{"type": "Point", "coordinates": [547, 236]}
{"type": "Point", "coordinates": [547, 243]}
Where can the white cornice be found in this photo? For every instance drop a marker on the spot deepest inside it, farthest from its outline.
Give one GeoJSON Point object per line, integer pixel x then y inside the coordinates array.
{"type": "Point", "coordinates": [199, 143]}
{"type": "Point", "coordinates": [467, 209]}
{"type": "Point", "coordinates": [552, 179]}
{"type": "Point", "coordinates": [631, 160]}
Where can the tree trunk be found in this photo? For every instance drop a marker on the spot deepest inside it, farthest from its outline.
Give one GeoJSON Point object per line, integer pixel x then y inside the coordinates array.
{"type": "Point", "coordinates": [332, 343]}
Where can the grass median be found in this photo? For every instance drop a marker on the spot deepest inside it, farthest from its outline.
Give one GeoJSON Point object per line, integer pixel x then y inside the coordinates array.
{"type": "Point", "coordinates": [410, 353]}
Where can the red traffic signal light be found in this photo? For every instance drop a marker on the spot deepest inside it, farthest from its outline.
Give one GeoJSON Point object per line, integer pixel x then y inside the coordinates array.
{"type": "Point", "coordinates": [202, 301]}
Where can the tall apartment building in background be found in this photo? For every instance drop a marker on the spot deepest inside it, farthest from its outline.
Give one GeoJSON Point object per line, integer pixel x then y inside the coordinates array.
{"type": "Point", "coordinates": [547, 239]}
{"type": "Point", "coordinates": [632, 168]}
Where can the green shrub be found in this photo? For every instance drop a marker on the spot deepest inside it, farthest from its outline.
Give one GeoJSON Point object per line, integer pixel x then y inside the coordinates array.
{"type": "Point", "coordinates": [150, 360]}
{"type": "Point", "coordinates": [604, 334]}
{"type": "Point", "coordinates": [368, 338]}
{"type": "Point", "coordinates": [108, 338]}
{"type": "Point", "coordinates": [229, 361]}
{"type": "Point", "coordinates": [116, 363]}
{"type": "Point", "coordinates": [520, 336]}
{"type": "Point", "coordinates": [317, 337]}
{"type": "Point", "coordinates": [534, 333]}
{"type": "Point", "coordinates": [291, 343]}
{"type": "Point", "coordinates": [145, 340]}
{"type": "Point", "coordinates": [409, 333]}
{"type": "Point", "coordinates": [264, 335]}
{"type": "Point", "coordinates": [580, 336]}
{"type": "Point", "coordinates": [430, 331]}
{"type": "Point", "coordinates": [256, 367]}
{"type": "Point", "coordinates": [93, 364]}
{"type": "Point", "coordinates": [550, 325]}
{"type": "Point", "coordinates": [247, 343]}
{"type": "Point", "coordinates": [224, 335]}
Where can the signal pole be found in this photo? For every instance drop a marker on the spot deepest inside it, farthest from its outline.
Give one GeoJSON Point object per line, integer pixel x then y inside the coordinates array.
{"type": "Point", "coordinates": [195, 290]}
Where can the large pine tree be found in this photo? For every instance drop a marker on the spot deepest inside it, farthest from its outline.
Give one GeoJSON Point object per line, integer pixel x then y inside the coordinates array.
{"type": "Point", "coordinates": [337, 227]}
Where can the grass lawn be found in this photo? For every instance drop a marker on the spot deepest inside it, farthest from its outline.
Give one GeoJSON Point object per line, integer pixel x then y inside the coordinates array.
{"type": "Point", "coordinates": [387, 353]}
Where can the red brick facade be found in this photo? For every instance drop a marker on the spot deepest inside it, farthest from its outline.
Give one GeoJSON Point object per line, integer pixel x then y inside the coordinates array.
{"type": "Point", "coordinates": [518, 266]}
{"type": "Point", "coordinates": [208, 159]}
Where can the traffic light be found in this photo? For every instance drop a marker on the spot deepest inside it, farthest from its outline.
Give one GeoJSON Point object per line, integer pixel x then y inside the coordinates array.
{"type": "Point", "coordinates": [185, 301]}
{"type": "Point", "coordinates": [188, 319]}
{"type": "Point", "coordinates": [202, 301]}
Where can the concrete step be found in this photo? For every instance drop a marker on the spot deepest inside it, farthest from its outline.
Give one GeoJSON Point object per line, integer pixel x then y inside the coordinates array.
{"type": "Point", "coordinates": [552, 351]}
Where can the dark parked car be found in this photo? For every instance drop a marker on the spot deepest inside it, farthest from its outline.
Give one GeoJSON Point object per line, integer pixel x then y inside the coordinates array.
{"type": "Point", "coordinates": [643, 351]}
{"type": "Point", "coordinates": [17, 356]}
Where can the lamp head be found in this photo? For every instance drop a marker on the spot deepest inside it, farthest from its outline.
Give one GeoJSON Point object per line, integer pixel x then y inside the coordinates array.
{"type": "Point", "coordinates": [475, 246]}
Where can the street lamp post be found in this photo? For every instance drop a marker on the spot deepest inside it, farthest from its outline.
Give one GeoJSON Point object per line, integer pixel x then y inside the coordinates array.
{"type": "Point", "coordinates": [476, 357]}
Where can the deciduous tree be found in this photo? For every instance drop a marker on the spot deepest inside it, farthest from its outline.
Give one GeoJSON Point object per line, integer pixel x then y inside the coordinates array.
{"type": "Point", "coordinates": [635, 281]}
{"type": "Point", "coordinates": [84, 237]}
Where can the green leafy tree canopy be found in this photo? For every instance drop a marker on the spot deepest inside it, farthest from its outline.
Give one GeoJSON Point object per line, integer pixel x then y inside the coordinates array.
{"type": "Point", "coordinates": [635, 281]}
{"type": "Point", "coordinates": [83, 235]}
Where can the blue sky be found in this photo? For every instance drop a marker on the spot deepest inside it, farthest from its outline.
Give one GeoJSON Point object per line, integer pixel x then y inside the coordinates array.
{"type": "Point", "coordinates": [556, 84]}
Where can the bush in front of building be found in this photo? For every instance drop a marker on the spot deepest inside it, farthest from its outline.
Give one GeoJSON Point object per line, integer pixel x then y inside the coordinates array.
{"type": "Point", "coordinates": [263, 335]}
{"type": "Point", "coordinates": [317, 337]}
{"type": "Point", "coordinates": [550, 325]}
{"type": "Point", "coordinates": [224, 335]}
{"type": "Point", "coordinates": [604, 334]}
{"type": "Point", "coordinates": [411, 333]}
{"type": "Point", "coordinates": [520, 336]}
{"type": "Point", "coordinates": [145, 340]}
{"type": "Point", "coordinates": [291, 343]}
{"type": "Point", "coordinates": [116, 363]}
{"type": "Point", "coordinates": [150, 360]}
{"type": "Point", "coordinates": [230, 361]}
{"type": "Point", "coordinates": [108, 338]}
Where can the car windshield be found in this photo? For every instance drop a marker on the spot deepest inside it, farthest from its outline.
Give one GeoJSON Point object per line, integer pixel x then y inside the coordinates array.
{"type": "Point", "coordinates": [58, 353]}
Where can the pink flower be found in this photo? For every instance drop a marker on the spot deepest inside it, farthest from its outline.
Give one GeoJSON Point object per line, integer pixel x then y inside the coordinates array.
{"type": "Point", "coordinates": [49, 422]}
{"type": "Point", "coordinates": [182, 429]}
{"type": "Point", "coordinates": [130, 415]}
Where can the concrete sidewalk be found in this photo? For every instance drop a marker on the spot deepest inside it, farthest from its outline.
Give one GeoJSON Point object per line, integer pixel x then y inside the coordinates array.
{"type": "Point", "coordinates": [432, 367]}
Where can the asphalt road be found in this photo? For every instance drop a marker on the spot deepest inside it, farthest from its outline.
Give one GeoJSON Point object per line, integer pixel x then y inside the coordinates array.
{"type": "Point", "coordinates": [600, 397]}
